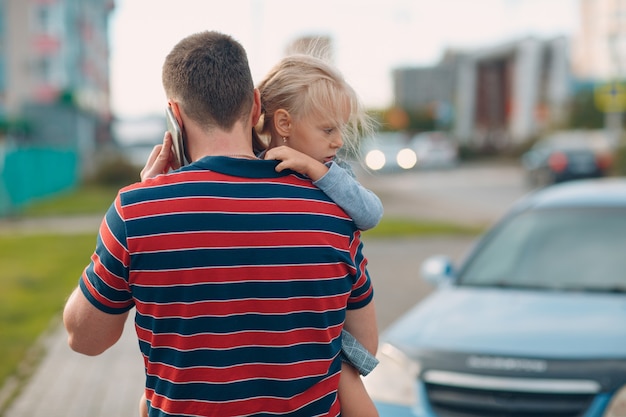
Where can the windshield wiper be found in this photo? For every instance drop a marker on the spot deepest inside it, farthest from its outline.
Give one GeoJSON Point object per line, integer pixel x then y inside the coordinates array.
{"type": "Point", "coordinates": [615, 289]}
{"type": "Point", "coordinates": [507, 284]}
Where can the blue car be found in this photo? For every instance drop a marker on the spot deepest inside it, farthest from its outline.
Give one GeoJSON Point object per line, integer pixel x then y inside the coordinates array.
{"type": "Point", "coordinates": [533, 323]}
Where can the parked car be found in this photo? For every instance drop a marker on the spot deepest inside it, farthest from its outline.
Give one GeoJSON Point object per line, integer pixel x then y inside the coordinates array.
{"type": "Point", "coordinates": [388, 151]}
{"type": "Point", "coordinates": [566, 156]}
{"type": "Point", "coordinates": [533, 323]}
{"type": "Point", "coordinates": [435, 150]}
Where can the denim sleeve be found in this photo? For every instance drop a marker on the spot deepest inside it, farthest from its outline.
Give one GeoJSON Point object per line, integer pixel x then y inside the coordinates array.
{"type": "Point", "coordinates": [355, 354]}
{"type": "Point", "coordinates": [361, 204]}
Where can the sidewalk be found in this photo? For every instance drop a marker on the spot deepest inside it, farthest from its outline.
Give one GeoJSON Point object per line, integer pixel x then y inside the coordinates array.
{"type": "Point", "coordinates": [67, 384]}
{"type": "Point", "coordinates": [61, 224]}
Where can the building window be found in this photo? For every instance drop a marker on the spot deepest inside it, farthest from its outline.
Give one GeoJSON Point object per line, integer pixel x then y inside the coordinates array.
{"type": "Point", "coordinates": [2, 75]}
{"type": "Point", "coordinates": [46, 18]}
{"type": "Point", "coordinates": [43, 20]}
{"type": "Point", "coordinates": [43, 69]}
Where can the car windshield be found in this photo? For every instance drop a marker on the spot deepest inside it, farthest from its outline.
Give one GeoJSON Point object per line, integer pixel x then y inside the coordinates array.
{"type": "Point", "coordinates": [564, 249]}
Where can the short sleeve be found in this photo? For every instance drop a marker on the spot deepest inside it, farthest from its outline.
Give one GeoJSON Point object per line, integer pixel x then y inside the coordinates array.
{"type": "Point", "coordinates": [104, 281]}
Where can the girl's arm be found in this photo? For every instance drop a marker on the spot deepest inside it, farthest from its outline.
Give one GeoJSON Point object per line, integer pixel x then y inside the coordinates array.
{"type": "Point", "coordinates": [358, 202]}
{"type": "Point", "coordinates": [337, 180]}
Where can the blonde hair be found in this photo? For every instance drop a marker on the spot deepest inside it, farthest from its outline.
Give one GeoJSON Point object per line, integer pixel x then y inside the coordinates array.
{"type": "Point", "coordinates": [304, 86]}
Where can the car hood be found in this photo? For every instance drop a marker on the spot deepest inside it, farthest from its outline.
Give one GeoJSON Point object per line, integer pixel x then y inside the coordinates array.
{"type": "Point", "coordinates": [515, 322]}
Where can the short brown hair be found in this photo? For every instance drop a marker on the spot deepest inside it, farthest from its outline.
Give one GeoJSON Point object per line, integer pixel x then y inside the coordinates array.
{"type": "Point", "coordinates": [208, 74]}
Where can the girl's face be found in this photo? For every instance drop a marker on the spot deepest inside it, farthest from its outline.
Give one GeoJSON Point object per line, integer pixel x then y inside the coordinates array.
{"type": "Point", "coordinates": [318, 137]}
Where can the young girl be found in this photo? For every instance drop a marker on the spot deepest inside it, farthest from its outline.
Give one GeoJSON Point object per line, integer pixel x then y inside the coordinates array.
{"type": "Point", "coordinates": [309, 113]}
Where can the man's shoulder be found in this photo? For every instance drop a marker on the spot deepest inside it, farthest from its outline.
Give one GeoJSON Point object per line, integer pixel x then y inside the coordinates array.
{"type": "Point", "coordinates": [184, 180]}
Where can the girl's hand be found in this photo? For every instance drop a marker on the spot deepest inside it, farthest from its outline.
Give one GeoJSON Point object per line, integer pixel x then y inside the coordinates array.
{"type": "Point", "coordinates": [296, 161]}
{"type": "Point", "coordinates": [161, 159]}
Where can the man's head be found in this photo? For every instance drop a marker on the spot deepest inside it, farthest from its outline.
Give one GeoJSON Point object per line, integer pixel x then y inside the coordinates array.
{"type": "Point", "coordinates": [208, 75]}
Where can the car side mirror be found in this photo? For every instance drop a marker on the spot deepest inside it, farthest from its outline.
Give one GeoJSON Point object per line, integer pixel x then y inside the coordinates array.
{"type": "Point", "coordinates": [437, 269]}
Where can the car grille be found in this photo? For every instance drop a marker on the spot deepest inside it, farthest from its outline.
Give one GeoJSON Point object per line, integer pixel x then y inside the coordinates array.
{"type": "Point", "coordinates": [455, 400]}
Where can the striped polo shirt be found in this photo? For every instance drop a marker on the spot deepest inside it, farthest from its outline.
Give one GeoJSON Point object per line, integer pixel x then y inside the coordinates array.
{"type": "Point", "coordinates": [240, 277]}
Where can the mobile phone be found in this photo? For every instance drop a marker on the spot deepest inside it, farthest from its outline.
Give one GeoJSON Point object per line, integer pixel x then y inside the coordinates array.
{"type": "Point", "coordinates": [177, 137]}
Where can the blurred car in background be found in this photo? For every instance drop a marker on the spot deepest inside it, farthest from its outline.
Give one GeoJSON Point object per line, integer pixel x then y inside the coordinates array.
{"type": "Point", "coordinates": [531, 324]}
{"type": "Point", "coordinates": [567, 155]}
{"type": "Point", "coordinates": [388, 151]}
{"type": "Point", "coordinates": [435, 150]}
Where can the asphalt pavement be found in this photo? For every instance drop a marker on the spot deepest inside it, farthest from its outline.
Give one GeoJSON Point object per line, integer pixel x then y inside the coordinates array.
{"type": "Point", "coordinates": [66, 384]}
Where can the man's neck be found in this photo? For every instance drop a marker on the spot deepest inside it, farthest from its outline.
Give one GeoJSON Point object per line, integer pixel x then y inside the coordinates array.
{"type": "Point", "coordinates": [217, 142]}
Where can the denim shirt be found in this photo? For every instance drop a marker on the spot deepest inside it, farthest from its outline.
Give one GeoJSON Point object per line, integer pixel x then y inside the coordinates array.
{"type": "Point", "coordinates": [340, 184]}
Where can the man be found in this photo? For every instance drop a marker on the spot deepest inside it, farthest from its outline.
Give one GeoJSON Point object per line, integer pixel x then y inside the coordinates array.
{"type": "Point", "coordinates": [242, 277]}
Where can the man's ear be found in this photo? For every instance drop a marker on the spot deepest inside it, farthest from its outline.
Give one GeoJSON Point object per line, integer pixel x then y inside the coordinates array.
{"type": "Point", "coordinates": [282, 122]}
{"type": "Point", "coordinates": [256, 107]}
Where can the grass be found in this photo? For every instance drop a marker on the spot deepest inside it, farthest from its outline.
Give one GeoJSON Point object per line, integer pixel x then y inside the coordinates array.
{"type": "Point", "coordinates": [38, 274]}
{"type": "Point", "coordinates": [88, 199]}
{"type": "Point", "coordinates": [397, 227]}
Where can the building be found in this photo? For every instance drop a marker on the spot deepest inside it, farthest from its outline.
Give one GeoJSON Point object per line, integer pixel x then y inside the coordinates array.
{"type": "Point", "coordinates": [599, 59]}
{"type": "Point", "coordinates": [600, 46]}
{"type": "Point", "coordinates": [508, 94]}
{"type": "Point", "coordinates": [54, 94]}
{"type": "Point", "coordinates": [415, 88]}
{"type": "Point", "coordinates": [430, 90]}
{"type": "Point", "coordinates": [495, 98]}
{"type": "Point", "coordinates": [55, 50]}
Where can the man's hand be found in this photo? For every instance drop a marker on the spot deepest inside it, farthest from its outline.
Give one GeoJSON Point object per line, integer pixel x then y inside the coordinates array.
{"type": "Point", "coordinates": [296, 161]}
{"type": "Point", "coordinates": [161, 159]}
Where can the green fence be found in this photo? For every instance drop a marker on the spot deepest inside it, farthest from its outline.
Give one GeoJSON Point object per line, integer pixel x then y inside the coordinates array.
{"type": "Point", "coordinates": [27, 174]}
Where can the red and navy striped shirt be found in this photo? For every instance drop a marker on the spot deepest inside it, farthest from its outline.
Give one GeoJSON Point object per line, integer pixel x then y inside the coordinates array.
{"type": "Point", "coordinates": [241, 278]}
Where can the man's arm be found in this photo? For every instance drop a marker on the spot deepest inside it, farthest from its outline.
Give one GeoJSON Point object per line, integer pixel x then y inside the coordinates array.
{"type": "Point", "coordinates": [90, 331]}
{"type": "Point", "coordinates": [361, 323]}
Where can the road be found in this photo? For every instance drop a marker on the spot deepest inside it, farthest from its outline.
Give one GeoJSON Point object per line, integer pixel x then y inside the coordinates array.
{"type": "Point", "coordinates": [474, 193]}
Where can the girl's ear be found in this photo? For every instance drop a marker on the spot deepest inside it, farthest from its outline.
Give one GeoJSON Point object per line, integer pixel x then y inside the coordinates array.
{"type": "Point", "coordinates": [282, 122]}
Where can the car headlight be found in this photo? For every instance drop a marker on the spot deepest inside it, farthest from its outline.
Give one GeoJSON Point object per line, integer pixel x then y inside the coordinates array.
{"type": "Point", "coordinates": [375, 159]}
{"type": "Point", "coordinates": [394, 380]}
{"type": "Point", "coordinates": [617, 406]}
{"type": "Point", "coordinates": [406, 158]}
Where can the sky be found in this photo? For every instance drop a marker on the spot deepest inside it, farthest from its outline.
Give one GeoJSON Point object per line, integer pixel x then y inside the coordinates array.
{"type": "Point", "coordinates": [370, 37]}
